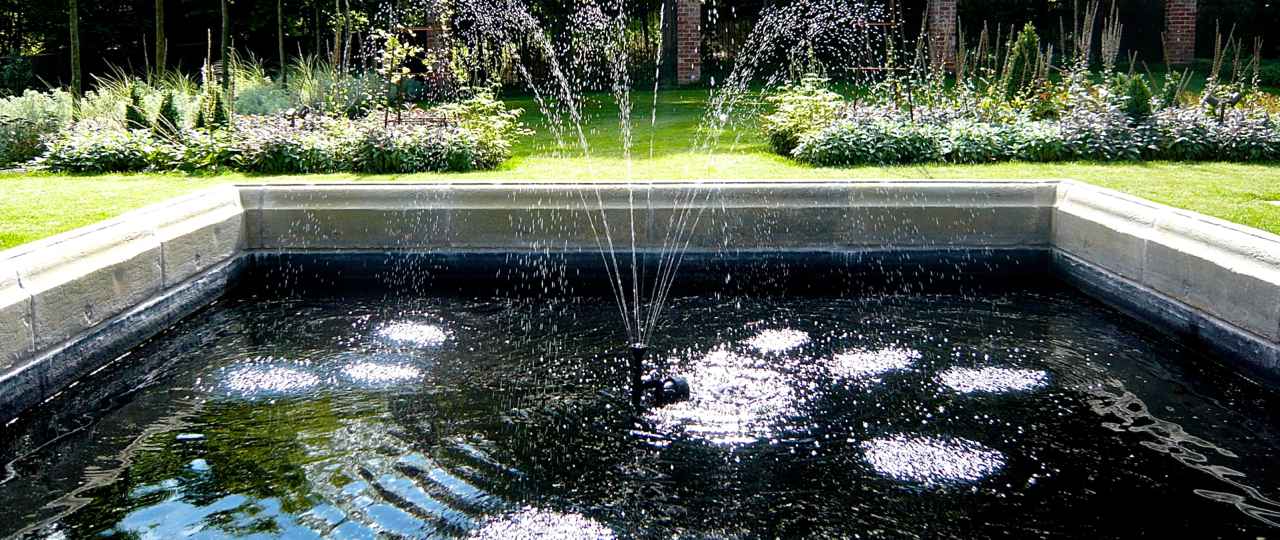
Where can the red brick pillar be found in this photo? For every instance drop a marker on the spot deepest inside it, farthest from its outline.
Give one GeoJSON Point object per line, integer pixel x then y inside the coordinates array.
{"type": "Point", "coordinates": [1180, 31]}
{"type": "Point", "coordinates": [942, 33]}
{"type": "Point", "coordinates": [688, 41]}
{"type": "Point", "coordinates": [435, 37]}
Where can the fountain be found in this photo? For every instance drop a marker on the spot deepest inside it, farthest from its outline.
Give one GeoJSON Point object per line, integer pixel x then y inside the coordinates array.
{"type": "Point", "coordinates": [906, 359]}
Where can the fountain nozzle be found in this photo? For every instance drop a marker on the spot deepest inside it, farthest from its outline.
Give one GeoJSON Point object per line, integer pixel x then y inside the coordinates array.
{"type": "Point", "coordinates": [638, 352]}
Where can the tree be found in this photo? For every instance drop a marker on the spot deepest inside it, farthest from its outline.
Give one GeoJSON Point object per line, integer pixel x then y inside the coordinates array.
{"type": "Point", "coordinates": [284, 68]}
{"type": "Point", "coordinates": [73, 10]}
{"type": "Point", "coordinates": [161, 45]}
{"type": "Point", "coordinates": [226, 46]}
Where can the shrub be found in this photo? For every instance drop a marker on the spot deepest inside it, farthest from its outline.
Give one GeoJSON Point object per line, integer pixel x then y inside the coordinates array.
{"type": "Point", "coordinates": [487, 124]}
{"type": "Point", "coordinates": [96, 147]}
{"type": "Point", "coordinates": [800, 109]}
{"type": "Point", "coordinates": [1022, 64]}
{"type": "Point", "coordinates": [219, 116]}
{"type": "Point", "coordinates": [168, 122]}
{"type": "Point", "coordinates": [881, 142]}
{"type": "Point", "coordinates": [263, 99]}
{"type": "Point", "coordinates": [274, 145]}
{"type": "Point", "coordinates": [135, 112]}
{"type": "Point", "coordinates": [1136, 94]}
{"type": "Point", "coordinates": [27, 119]}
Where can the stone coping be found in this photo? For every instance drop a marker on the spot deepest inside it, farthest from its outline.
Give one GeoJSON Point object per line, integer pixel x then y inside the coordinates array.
{"type": "Point", "coordinates": [58, 294]}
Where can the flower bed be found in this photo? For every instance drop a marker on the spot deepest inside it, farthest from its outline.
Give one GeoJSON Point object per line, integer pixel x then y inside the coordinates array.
{"type": "Point", "coordinates": [476, 136]}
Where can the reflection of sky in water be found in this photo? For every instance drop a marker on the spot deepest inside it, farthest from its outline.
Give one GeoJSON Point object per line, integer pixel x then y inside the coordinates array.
{"type": "Point", "coordinates": [970, 380]}
{"type": "Point", "coordinates": [932, 460]}
{"type": "Point", "coordinates": [269, 379]}
{"type": "Point", "coordinates": [535, 523]}
{"type": "Point", "coordinates": [774, 340]}
{"type": "Point", "coordinates": [378, 373]}
{"type": "Point", "coordinates": [178, 516]}
{"type": "Point", "coordinates": [734, 398]}
{"type": "Point", "coordinates": [415, 334]}
{"type": "Point", "coordinates": [865, 364]}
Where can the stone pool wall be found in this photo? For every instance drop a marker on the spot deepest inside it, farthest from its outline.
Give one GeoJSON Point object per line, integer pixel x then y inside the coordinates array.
{"type": "Point", "coordinates": [74, 301]}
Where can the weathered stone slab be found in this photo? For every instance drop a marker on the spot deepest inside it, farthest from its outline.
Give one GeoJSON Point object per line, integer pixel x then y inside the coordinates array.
{"type": "Point", "coordinates": [348, 217]}
{"type": "Point", "coordinates": [85, 277]}
{"type": "Point", "coordinates": [1103, 228]}
{"type": "Point", "coordinates": [1227, 271]}
{"type": "Point", "coordinates": [17, 340]}
{"type": "Point", "coordinates": [198, 232]}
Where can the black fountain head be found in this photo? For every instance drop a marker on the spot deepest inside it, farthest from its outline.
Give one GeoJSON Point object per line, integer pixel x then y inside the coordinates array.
{"type": "Point", "coordinates": [673, 390]}
{"type": "Point", "coordinates": [665, 390]}
{"type": "Point", "coordinates": [639, 351]}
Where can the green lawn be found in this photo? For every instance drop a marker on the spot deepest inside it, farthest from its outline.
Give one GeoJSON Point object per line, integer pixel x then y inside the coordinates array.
{"type": "Point", "coordinates": [36, 206]}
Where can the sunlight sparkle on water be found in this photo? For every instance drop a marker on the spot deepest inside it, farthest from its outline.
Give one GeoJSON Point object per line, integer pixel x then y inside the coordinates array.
{"type": "Point", "coordinates": [775, 341]}
{"type": "Point", "coordinates": [414, 333]}
{"type": "Point", "coordinates": [970, 380]}
{"type": "Point", "coordinates": [734, 400]}
{"type": "Point", "coordinates": [373, 372]}
{"type": "Point", "coordinates": [932, 460]}
{"type": "Point", "coordinates": [270, 379]}
{"type": "Point", "coordinates": [864, 364]}
{"type": "Point", "coordinates": [535, 523]}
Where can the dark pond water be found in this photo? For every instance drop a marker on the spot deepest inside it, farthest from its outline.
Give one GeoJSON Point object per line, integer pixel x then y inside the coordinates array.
{"type": "Point", "coordinates": [1022, 412]}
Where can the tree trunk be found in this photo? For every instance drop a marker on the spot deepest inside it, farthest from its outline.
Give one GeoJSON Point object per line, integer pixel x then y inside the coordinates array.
{"type": "Point", "coordinates": [284, 67]}
{"type": "Point", "coordinates": [337, 34]}
{"type": "Point", "coordinates": [226, 47]}
{"type": "Point", "coordinates": [315, 22]}
{"type": "Point", "coordinates": [346, 30]}
{"type": "Point", "coordinates": [73, 9]}
{"type": "Point", "coordinates": [162, 47]}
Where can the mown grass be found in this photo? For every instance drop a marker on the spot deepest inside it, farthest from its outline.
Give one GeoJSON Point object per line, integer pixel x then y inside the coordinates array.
{"type": "Point", "coordinates": [37, 206]}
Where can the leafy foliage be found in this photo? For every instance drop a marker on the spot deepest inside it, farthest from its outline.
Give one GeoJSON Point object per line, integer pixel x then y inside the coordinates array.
{"type": "Point", "coordinates": [1021, 114]}
{"type": "Point", "coordinates": [798, 109]}
{"type": "Point", "coordinates": [135, 112]}
{"type": "Point", "coordinates": [27, 119]}
{"type": "Point", "coordinates": [477, 136]}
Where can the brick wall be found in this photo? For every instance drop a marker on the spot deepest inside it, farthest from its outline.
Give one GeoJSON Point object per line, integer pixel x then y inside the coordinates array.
{"type": "Point", "coordinates": [688, 41]}
{"type": "Point", "coordinates": [1180, 31]}
{"type": "Point", "coordinates": [942, 33]}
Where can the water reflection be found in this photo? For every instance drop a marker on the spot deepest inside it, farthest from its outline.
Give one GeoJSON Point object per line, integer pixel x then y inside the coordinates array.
{"type": "Point", "coordinates": [520, 433]}
{"type": "Point", "coordinates": [932, 460]}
